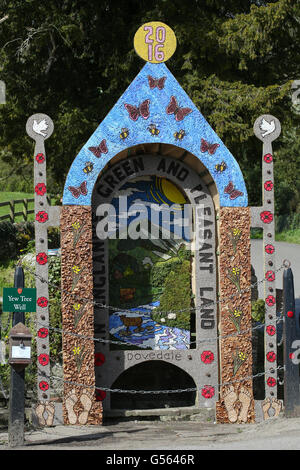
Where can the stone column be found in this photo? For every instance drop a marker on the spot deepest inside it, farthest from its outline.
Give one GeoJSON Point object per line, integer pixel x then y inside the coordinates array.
{"type": "Point", "coordinates": [80, 405]}
{"type": "Point", "coordinates": [236, 402]}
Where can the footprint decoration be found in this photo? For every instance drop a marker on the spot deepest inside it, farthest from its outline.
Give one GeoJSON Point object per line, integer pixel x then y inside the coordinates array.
{"type": "Point", "coordinates": [71, 401]}
{"type": "Point", "coordinates": [86, 401]}
{"type": "Point", "coordinates": [230, 398]}
{"type": "Point", "coordinates": [271, 408]}
{"type": "Point", "coordinates": [45, 413]}
{"type": "Point", "coordinates": [87, 405]}
{"type": "Point", "coordinates": [245, 398]}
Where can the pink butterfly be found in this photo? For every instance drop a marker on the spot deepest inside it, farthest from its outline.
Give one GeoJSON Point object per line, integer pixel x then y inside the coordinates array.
{"type": "Point", "coordinates": [76, 192]}
{"type": "Point", "coordinates": [207, 147]}
{"type": "Point", "coordinates": [234, 193]}
{"type": "Point", "coordinates": [101, 148]}
{"type": "Point", "coordinates": [156, 82]}
{"type": "Point", "coordinates": [135, 112]}
{"type": "Point", "coordinates": [173, 108]}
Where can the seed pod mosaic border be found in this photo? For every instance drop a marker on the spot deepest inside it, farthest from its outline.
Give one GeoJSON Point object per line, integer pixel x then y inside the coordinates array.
{"type": "Point", "coordinates": [81, 405]}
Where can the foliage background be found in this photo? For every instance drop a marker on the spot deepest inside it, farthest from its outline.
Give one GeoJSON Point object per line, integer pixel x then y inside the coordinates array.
{"type": "Point", "coordinates": [72, 60]}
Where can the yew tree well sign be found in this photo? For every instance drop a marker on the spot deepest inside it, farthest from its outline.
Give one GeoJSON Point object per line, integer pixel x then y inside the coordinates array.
{"type": "Point", "coordinates": [19, 299]}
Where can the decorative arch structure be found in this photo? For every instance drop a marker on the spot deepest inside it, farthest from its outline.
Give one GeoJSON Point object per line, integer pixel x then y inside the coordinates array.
{"type": "Point", "coordinates": [152, 115]}
{"type": "Point", "coordinates": [148, 115]}
{"type": "Point", "coordinates": [155, 130]}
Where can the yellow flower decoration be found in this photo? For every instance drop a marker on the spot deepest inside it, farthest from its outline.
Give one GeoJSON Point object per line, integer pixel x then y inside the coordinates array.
{"type": "Point", "coordinates": [236, 231]}
{"type": "Point", "coordinates": [237, 313]}
{"type": "Point", "coordinates": [76, 306]}
{"type": "Point", "coordinates": [76, 350]}
{"type": "Point", "coordinates": [242, 356]}
{"type": "Point", "coordinates": [235, 271]}
{"type": "Point", "coordinates": [76, 269]}
{"type": "Point", "coordinates": [76, 225]}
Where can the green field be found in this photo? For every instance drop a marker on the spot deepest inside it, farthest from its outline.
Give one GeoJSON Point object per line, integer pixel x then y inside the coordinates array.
{"type": "Point", "coordinates": [10, 196]}
{"type": "Point", "coordinates": [289, 236]}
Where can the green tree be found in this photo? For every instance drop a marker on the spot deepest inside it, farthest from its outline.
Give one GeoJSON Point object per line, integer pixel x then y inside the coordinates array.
{"type": "Point", "coordinates": [176, 297]}
{"type": "Point", "coordinates": [72, 60]}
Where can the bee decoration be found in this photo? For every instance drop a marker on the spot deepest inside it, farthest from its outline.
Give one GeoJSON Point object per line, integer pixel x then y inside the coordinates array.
{"type": "Point", "coordinates": [220, 167]}
{"type": "Point", "coordinates": [179, 135]}
{"type": "Point", "coordinates": [88, 167]}
{"type": "Point", "coordinates": [124, 133]}
{"type": "Point", "coordinates": [153, 129]}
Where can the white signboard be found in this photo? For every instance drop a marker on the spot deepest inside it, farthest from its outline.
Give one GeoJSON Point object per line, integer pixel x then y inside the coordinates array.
{"type": "Point", "coordinates": [20, 352]}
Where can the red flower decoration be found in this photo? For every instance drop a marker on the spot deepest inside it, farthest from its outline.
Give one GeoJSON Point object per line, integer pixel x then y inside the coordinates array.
{"type": "Point", "coordinates": [270, 276]}
{"type": "Point", "coordinates": [41, 217]}
{"type": "Point", "coordinates": [268, 185]}
{"type": "Point", "coordinates": [271, 330]}
{"type": "Point", "coordinates": [100, 395]}
{"type": "Point", "coordinates": [99, 359]}
{"type": "Point", "coordinates": [40, 158]}
{"type": "Point", "coordinates": [207, 357]}
{"type": "Point", "coordinates": [292, 356]}
{"type": "Point", "coordinates": [208, 391]}
{"type": "Point", "coordinates": [266, 217]}
{"type": "Point", "coordinates": [43, 332]}
{"type": "Point", "coordinates": [290, 314]}
{"type": "Point", "coordinates": [271, 382]}
{"type": "Point", "coordinates": [270, 300]}
{"type": "Point", "coordinates": [268, 158]}
{"type": "Point", "coordinates": [41, 258]}
{"type": "Point", "coordinates": [269, 249]}
{"type": "Point", "coordinates": [40, 189]}
{"type": "Point", "coordinates": [42, 302]}
{"type": "Point", "coordinates": [271, 356]}
{"type": "Point", "coordinates": [43, 386]}
{"type": "Point", "coordinates": [43, 359]}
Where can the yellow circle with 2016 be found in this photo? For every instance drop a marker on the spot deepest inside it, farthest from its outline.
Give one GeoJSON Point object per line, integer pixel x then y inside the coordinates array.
{"type": "Point", "coordinates": [155, 42]}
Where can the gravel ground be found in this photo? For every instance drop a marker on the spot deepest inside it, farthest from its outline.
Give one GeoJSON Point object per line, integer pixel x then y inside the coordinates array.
{"type": "Point", "coordinates": [275, 434]}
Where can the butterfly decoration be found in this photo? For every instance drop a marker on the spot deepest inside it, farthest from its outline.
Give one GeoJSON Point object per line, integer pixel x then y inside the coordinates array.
{"type": "Point", "coordinates": [207, 147]}
{"type": "Point", "coordinates": [173, 108]}
{"type": "Point", "coordinates": [220, 167]}
{"type": "Point", "coordinates": [136, 111]}
{"type": "Point", "coordinates": [233, 193]}
{"type": "Point", "coordinates": [156, 82]}
{"type": "Point", "coordinates": [101, 148]}
{"type": "Point", "coordinates": [76, 192]}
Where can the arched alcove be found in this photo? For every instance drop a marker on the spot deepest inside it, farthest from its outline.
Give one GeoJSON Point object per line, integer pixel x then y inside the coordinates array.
{"type": "Point", "coordinates": [176, 344]}
{"type": "Point", "coordinates": [153, 376]}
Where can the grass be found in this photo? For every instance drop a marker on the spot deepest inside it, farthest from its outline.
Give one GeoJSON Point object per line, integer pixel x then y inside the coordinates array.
{"type": "Point", "coordinates": [10, 196]}
{"type": "Point", "coordinates": [288, 236]}
{"type": "Point", "coordinates": [7, 271]}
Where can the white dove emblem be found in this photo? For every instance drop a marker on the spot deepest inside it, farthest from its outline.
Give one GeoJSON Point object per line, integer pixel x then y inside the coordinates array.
{"type": "Point", "coordinates": [267, 127]}
{"type": "Point", "coordinates": [38, 128]}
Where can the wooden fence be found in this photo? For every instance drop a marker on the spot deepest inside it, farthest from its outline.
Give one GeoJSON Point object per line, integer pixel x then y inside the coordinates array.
{"type": "Point", "coordinates": [12, 214]}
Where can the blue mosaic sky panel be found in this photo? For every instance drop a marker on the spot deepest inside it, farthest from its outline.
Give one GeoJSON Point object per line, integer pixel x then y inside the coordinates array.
{"type": "Point", "coordinates": [199, 138]}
